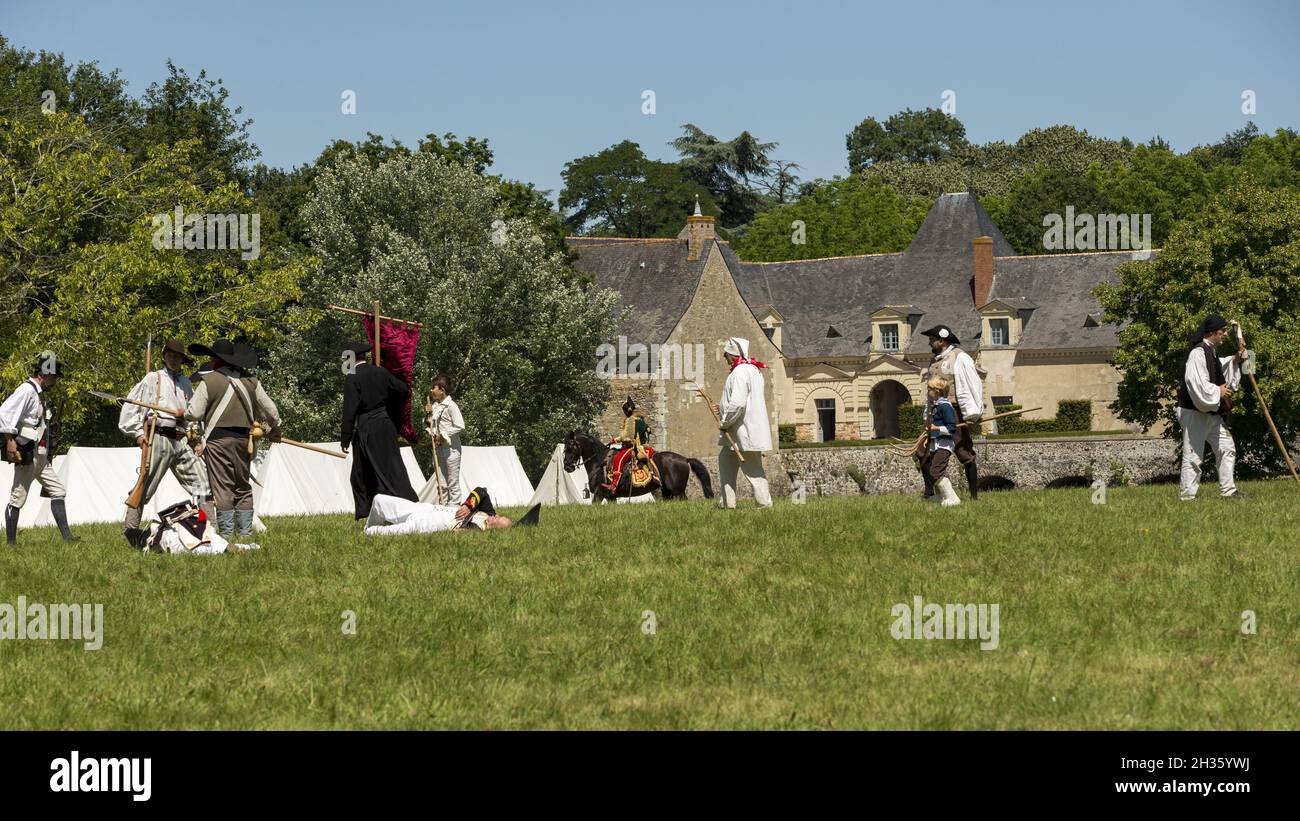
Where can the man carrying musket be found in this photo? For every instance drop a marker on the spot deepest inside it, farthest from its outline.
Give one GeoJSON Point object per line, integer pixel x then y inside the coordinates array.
{"type": "Point", "coordinates": [168, 388]}
{"type": "Point", "coordinates": [1204, 397]}
{"type": "Point", "coordinates": [24, 426]}
{"type": "Point", "coordinates": [229, 402]}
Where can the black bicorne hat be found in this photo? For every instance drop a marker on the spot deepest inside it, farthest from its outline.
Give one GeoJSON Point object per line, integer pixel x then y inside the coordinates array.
{"type": "Point", "coordinates": [942, 332]}
{"type": "Point", "coordinates": [628, 407]}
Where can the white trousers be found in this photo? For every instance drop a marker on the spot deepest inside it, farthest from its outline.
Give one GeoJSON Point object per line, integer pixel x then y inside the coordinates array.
{"type": "Point", "coordinates": [729, 465]}
{"type": "Point", "coordinates": [1197, 429]}
{"type": "Point", "coordinates": [449, 473]}
{"type": "Point", "coordinates": [391, 516]}
{"type": "Point", "coordinates": [41, 470]}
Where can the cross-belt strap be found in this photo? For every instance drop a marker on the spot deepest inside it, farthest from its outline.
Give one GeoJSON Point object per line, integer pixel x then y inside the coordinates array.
{"type": "Point", "coordinates": [221, 408]}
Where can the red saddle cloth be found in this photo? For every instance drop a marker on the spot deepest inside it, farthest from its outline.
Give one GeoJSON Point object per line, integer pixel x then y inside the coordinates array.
{"type": "Point", "coordinates": [641, 476]}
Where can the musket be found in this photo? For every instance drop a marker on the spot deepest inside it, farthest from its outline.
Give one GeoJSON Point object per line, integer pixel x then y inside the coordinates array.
{"type": "Point", "coordinates": [1268, 417]}
{"type": "Point", "coordinates": [181, 413]}
{"type": "Point", "coordinates": [725, 433]}
{"type": "Point", "coordinates": [925, 434]}
{"type": "Point", "coordinates": [135, 499]}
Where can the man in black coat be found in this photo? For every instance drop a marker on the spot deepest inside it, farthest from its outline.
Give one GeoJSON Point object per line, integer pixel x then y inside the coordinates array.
{"type": "Point", "coordinates": [372, 396]}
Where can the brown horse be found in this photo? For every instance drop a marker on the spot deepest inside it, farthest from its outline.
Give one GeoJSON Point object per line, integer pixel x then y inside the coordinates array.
{"type": "Point", "coordinates": [581, 449]}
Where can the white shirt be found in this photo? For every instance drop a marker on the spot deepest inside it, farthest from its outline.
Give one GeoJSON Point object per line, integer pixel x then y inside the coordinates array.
{"type": "Point", "coordinates": [23, 409]}
{"type": "Point", "coordinates": [958, 366]}
{"type": "Point", "coordinates": [1205, 394]}
{"type": "Point", "coordinates": [176, 393]}
{"type": "Point", "coordinates": [744, 410]}
{"type": "Point", "coordinates": [445, 416]}
{"type": "Point", "coordinates": [392, 516]}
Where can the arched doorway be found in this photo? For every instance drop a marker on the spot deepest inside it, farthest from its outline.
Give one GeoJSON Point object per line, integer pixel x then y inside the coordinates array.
{"type": "Point", "coordinates": [886, 396]}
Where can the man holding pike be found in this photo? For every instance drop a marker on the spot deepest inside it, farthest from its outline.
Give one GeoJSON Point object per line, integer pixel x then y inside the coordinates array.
{"type": "Point", "coordinates": [170, 450]}
{"type": "Point", "coordinates": [965, 391]}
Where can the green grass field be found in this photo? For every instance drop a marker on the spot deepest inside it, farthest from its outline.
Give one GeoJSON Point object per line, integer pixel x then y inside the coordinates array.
{"type": "Point", "coordinates": [1124, 615]}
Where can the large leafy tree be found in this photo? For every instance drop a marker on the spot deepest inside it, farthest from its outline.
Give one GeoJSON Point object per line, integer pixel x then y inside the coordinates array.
{"type": "Point", "coordinates": [908, 136]}
{"type": "Point", "coordinates": [1047, 191]}
{"type": "Point", "coordinates": [1156, 181]}
{"type": "Point", "coordinates": [620, 192]}
{"type": "Point", "coordinates": [82, 271]}
{"type": "Point", "coordinates": [1239, 257]}
{"type": "Point", "coordinates": [504, 314]}
{"type": "Point", "coordinates": [859, 215]}
{"type": "Point", "coordinates": [734, 171]}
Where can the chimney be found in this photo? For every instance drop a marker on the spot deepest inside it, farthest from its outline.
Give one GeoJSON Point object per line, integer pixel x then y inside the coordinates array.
{"type": "Point", "coordinates": [983, 248]}
{"type": "Point", "coordinates": [698, 229]}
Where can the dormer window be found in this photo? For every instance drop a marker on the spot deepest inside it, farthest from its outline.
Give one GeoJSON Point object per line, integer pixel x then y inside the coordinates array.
{"type": "Point", "coordinates": [999, 331]}
{"type": "Point", "coordinates": [889, 336]}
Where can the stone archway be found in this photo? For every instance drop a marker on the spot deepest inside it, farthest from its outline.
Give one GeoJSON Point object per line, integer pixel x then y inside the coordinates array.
{"type": "Point", "coordinates": [886, 396]}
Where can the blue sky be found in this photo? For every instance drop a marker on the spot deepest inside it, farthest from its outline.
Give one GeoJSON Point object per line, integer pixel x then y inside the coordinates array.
{"type": "Point", "coordinates": [548, 82]}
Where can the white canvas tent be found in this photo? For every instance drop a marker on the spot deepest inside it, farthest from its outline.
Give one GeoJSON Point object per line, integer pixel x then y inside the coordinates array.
{"type": "Point", "coordinates": [37, 506]}
{"type": "Point", "coordinates": [298, 482]}
{"type": "Point", "coordinates": [558, 486]}
{"type": "Point", "coordinates": [496, 468]}
{"type": "Point", "coordinates": [98, 481]}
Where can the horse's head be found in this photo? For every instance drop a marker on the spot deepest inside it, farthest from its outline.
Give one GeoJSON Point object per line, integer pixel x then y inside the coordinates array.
{"type": "Point", "coordinates": [573, 456]}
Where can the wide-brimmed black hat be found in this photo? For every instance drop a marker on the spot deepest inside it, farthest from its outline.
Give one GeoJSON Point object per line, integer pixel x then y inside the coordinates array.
{"type": "Point", "coordinates": [942, 332]}
{"type": "Point", "coordinates": [239, 356]}
{"type": "Point", "coordinates": [174, 345]}
{"type": "Point", "coordinates": [358, 348]}
{"type": "Point", "coordinates": [48, 363]}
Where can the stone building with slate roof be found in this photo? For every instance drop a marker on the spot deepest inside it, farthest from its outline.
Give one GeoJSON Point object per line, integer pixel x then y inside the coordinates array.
{"type": "Point", "coordinates": [842, 335]}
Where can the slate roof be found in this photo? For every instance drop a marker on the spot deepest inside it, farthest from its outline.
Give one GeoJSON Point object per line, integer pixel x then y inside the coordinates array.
{"type": "Point", "coordinates": [934, 276]}
{"type": "Point", "coordinates": [653, 277]}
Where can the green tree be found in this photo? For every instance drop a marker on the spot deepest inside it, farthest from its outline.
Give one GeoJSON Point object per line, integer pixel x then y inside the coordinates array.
{"type": "Point", "coordinates": [731, 170]}
{"type": "Point", "coordinates": [85, 277]}
{"type": "Point", "coordinates": [504, 315]}
{"type": "Point", "coordinates": [1238, 257]}
{"type": "Point", "coordinates": [1156, 181]}
{"type": "Point", "coordinates": [1047, 191]}
{"type": "Point", "coordinates": [908, 136]}
{"type": "Point", "coordinates": [842, 217]}
{"type": "Point", "coordinates": [620, 192]}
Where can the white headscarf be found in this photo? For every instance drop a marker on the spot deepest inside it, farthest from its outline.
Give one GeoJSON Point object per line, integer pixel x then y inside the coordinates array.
{"type": "Point", "coordinates": [737, 346]}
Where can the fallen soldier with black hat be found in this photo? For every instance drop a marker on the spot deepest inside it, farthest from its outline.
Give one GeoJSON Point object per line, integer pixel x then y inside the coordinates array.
{"type": "Point", "coordinates": [391, 516]}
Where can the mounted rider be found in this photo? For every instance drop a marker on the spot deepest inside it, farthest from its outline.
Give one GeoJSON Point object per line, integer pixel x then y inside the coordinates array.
{"type": "Point", "coordinates": [631, 440]}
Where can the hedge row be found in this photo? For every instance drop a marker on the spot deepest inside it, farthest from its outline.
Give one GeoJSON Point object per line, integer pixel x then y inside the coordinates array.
{"type": "Point", "coordinates": [1071, 415]}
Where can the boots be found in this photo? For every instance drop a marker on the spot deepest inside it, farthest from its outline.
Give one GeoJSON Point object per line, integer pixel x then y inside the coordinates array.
{"type": "Point", "coordinates": [929, 483]}
{"type": "Point", "coordinates": [973, 479]}
{"type": "Point", "coordinates": [225, 523]}
{"type": "Point", "coordinates": [58, 508]}
{"type": "Point", "coordinates": [243, 523]}
{"type": "Point", "coordinates": [136, 537]}
{"type": "Point", "coordinates": [11, 525]}
{"type": "Point", "coordinates": [947, 496]}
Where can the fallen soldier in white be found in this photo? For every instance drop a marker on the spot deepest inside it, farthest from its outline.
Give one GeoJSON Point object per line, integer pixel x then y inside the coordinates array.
{"type": "Point", "coordinates": [185, 528]}
{"type": "Point", "coordinates": [393, 516]}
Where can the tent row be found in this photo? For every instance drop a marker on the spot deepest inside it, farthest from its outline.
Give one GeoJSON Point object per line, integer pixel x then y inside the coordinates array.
{"type": "Point", "coordinates": [290, 482]}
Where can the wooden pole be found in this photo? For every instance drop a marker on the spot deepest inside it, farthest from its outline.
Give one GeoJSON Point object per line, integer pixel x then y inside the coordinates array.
{"type": "Point", "coordinates": [726, 433]}
{"type": "Point", "coordinates": [1268, 417]}
{"type": "Point", "coordinates": [377, 320]}
{"type": "Point", "coordinates": [410, 322]}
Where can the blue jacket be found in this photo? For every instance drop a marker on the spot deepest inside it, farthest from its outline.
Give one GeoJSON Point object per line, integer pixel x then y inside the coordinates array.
{"type": "Point", "coordinates": [944, 416]}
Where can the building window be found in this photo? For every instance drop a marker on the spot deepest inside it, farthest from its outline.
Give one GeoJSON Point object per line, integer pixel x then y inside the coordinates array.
{"type": "Point", "coordinates": [889, 337]}
{"type": "Point", "coordinates": [768, 331]}
{"type": "Point", "coordinates": [1000, 401]}
{"type": "Point", "coordinates": [999, 332]}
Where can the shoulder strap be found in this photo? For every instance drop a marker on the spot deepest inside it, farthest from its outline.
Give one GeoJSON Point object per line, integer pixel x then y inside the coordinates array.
{"type": "Point", "coordinates": [215, 415]}
{"type": "Point", "coordinates": [238, 386]}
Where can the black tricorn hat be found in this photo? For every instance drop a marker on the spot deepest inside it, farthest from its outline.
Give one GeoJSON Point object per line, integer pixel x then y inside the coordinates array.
{"type": "Point", "coordinates": [628, 407]}
{"type": "Point", "coordinates": [239, 356]}
{"type": "Point", "coordinates": [942, 332]}
{"type": "Point", "coordinates": [358, 348]}
{"type": "Point", "coordinates": [532, 516]}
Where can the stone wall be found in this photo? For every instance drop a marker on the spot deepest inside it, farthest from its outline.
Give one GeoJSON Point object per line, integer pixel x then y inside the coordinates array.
{"type": "Point", "coordinates": [1027, 464]}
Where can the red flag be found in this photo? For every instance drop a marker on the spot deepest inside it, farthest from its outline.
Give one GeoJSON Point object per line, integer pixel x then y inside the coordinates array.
{"type": "Point", "coordinates": [397, 344]}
